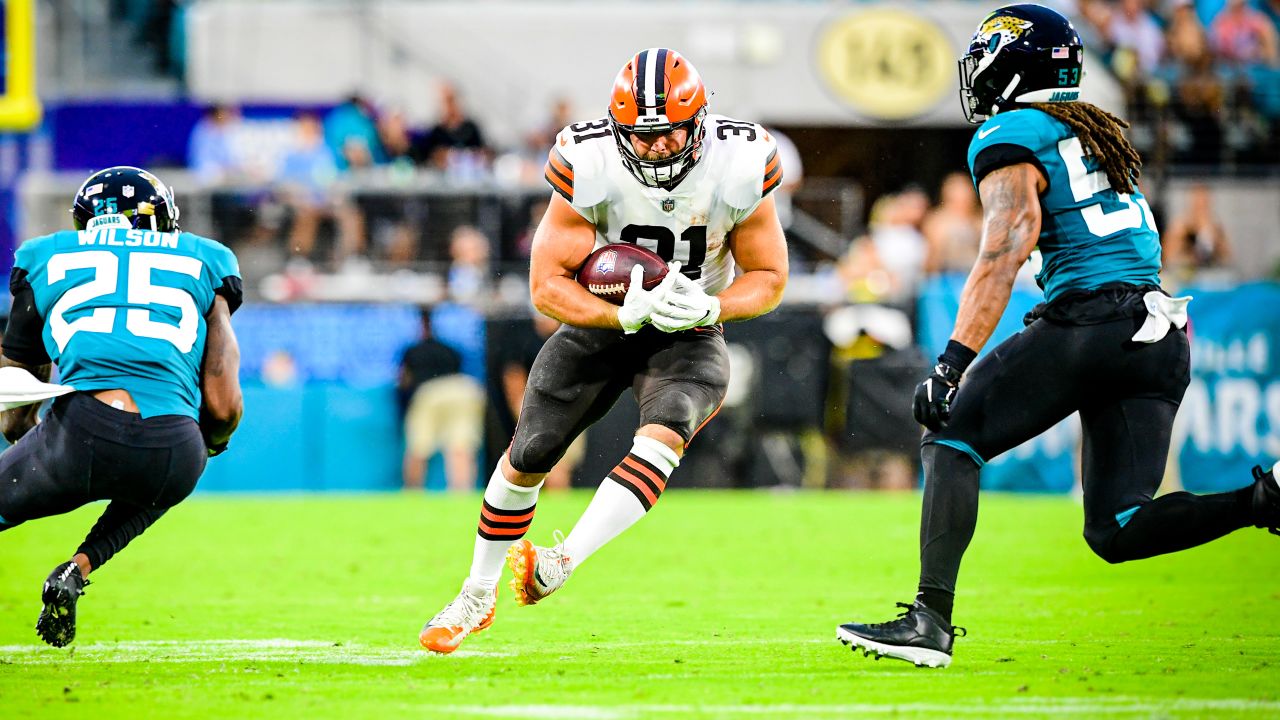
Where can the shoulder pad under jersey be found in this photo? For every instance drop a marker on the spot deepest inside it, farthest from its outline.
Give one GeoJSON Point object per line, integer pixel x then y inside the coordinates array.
{"type": "Point", "coordinates": [754, 169]}
{"type": "Point", "coordinates": [575, 165]}
{"type": "Point", "coordinates": [1028, 128]}
{"type": "Point", "coordinates": [35, 251]}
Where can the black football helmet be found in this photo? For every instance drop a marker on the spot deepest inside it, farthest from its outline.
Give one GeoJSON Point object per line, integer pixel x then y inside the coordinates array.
{"type": "Point", "coordinates": [1020, 54]}
{"type": "Point", "coordinates": [129, 191]}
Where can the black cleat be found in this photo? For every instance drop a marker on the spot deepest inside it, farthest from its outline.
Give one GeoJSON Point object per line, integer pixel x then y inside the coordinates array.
{"type": "Point", "coordinates": [63, 587]}
{"type": "Point", "coordinates": [1266, 500]}
{"type": "Point", "coordinates": [919, 636]}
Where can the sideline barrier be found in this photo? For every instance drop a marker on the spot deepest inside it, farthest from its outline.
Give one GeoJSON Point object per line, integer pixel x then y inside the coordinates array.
{"type": "Point", "coordinates": [1043, 464]}
{"type": "Point", "coordinates": [334, 432]}
{"type": "Point", "coordinates": [1229, 419]}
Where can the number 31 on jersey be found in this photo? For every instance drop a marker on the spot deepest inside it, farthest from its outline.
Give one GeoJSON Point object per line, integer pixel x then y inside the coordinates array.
{"type": "Point", "coordinates": [691, 250]}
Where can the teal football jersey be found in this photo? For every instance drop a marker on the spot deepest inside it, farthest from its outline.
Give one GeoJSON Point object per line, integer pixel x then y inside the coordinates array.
{"type": "Point", "coordinates": [1090, 234]}
{"type": "Point", "coordinates": [125, 308]}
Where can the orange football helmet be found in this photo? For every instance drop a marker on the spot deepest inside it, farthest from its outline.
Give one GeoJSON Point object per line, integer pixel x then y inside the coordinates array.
{"type": "Point", "coordinates": [658, 91]}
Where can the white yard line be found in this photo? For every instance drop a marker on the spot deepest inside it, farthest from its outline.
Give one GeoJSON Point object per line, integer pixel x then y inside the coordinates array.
{"type": "Point", "coordinates": [237, 651]}
{"type": "Point", "coordinates": [1087, 707]}
{"type": "Point", "coordinates": [317, 651]}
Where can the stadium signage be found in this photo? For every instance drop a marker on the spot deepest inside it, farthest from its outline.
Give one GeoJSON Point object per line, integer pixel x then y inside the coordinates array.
{"type": "Point", "coordinates": [886, 63]}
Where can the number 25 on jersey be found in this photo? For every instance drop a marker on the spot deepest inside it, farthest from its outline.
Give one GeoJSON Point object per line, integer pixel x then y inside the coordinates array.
{"type": "Point", "coordinates": [139, 290]}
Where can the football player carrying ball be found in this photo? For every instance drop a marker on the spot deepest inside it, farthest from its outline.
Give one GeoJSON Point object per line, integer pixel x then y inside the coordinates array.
{"type": "Point", "coordinates": [657, 171]}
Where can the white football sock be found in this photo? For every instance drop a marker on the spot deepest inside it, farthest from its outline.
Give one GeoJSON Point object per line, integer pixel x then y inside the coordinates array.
{"type": "Point", "coordinates": [623, 498]}
{"type": "Point", "coordinates": [505, 517]}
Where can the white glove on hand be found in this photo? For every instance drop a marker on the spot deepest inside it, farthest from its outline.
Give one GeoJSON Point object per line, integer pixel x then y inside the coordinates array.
{"type": "Point", "coordinates": [686, 306]}
{"type": "Point", "coordinates": [639, 303]}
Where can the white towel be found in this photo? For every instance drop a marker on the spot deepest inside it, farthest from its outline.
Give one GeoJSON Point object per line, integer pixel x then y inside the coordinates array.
{"type": "Point", "coordinates": [1163, 312]}
{"type": "Point", "coordinates": [19, 387]}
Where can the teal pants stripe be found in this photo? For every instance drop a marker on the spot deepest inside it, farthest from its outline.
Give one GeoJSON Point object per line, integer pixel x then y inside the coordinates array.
{"type": "Point", "coordinates": [1124, 516]}
{"type": "Point", "coordinates": [964, 448]}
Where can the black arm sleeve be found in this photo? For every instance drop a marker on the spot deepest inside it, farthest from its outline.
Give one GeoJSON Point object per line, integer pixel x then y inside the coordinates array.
{"type": "Point", "coordinates": [994, 157]}
{"type": "Point", "coordinates": [232, 289]}
{"type": "Point", "coordinates": [23, 339]}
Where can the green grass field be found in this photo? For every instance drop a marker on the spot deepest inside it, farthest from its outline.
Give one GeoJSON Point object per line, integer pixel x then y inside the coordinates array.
{"type": "Point", "coordinates": [717, 605]}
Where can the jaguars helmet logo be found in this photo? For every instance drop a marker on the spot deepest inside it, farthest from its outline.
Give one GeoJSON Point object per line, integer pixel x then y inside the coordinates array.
{"type": "Point", "coordinates": [998, 31]}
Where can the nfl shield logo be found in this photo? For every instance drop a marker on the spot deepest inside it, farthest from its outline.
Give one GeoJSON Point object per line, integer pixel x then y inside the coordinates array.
{"type": "Point", "coordinates": [607, 261]}
{"type": "Point", "coordinates": [668, 204]}
{"type": "Point", "coordinates": [127, 191]}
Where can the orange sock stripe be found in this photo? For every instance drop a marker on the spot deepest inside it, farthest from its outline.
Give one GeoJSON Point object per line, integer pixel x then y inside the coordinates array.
{"type": "Point", "coordinates": [487, 514]}
{"type": "Point", "coordinates": [643, 492]}
{"type": "Point", "coordinates": [489, 532]}
{"type": "Point", "coordinates": [641, 480]}
{"type": "Point", "coordinates": [639, 464]}
{"type": "Point", "coordinates": [499, 524]}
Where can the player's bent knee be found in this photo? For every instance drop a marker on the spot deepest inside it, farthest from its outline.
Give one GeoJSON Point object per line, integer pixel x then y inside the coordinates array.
{"type": "Point", "coordinates": [1102, 541]}
{"type": "Point", "coordinates": [536, 453]}
{"type": "Point", "coordinates": [676, 411]}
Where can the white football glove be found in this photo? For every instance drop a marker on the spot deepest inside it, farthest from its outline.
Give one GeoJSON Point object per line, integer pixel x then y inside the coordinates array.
{"type": "Point", "coordinates": [686, 306]}
{"type": "Point", "coordinates": [639, 303]}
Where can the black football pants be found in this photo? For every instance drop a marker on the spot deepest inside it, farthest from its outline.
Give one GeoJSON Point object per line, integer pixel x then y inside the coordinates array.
{"type": "Point", "coordinates": [85, 450]}
{"type": "Point", "coordinates": [1127, 395]}
{"type": "Point", "coordinates": [679, 380]}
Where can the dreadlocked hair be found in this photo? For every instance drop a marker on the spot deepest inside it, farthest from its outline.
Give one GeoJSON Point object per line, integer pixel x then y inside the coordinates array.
{"type": "Point", "coordinates": [1102, 135]}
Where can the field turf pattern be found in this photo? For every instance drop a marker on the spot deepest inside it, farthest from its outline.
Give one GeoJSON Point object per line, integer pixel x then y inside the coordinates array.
{"type": "Point", "coordinates": [717, 605]}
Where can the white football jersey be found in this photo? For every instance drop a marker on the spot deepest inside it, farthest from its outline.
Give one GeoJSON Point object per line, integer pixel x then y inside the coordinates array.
{"type": "Point", "coordinates": [689, 223]}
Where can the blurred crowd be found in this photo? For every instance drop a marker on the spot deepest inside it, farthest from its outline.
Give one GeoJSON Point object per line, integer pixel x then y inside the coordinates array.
{"type": "Point", "coordinates": [1202, 76]}
{"type": "Point", "coordinates": [911, 238]}
{"type": "Point", "coordinates": [356, 189]}
{"type": "Point", "coordinates": [342, 187]}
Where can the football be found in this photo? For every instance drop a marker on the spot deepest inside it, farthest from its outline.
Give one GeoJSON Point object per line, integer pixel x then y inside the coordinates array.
{"type": "Point", "coordinates": [607, 271]}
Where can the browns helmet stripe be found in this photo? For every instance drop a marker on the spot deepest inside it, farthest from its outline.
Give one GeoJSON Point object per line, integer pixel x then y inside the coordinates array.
{"type": "Point", "coordinates": [643, 76]}
{"type": "Point", "coordinates": [660, 80]}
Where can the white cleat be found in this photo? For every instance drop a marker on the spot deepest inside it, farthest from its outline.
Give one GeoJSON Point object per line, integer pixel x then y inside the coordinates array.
{"type": "Point", "coordinates": [920, 657]}
{"type": "Point", "coordinates": [538, 571]}
{"type": "Point", "coordinates": [470, 612]}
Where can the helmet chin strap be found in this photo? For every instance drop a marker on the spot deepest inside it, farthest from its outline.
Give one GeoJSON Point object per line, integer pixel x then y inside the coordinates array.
{"type": "Point", "coordinates": [1007, 94]}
